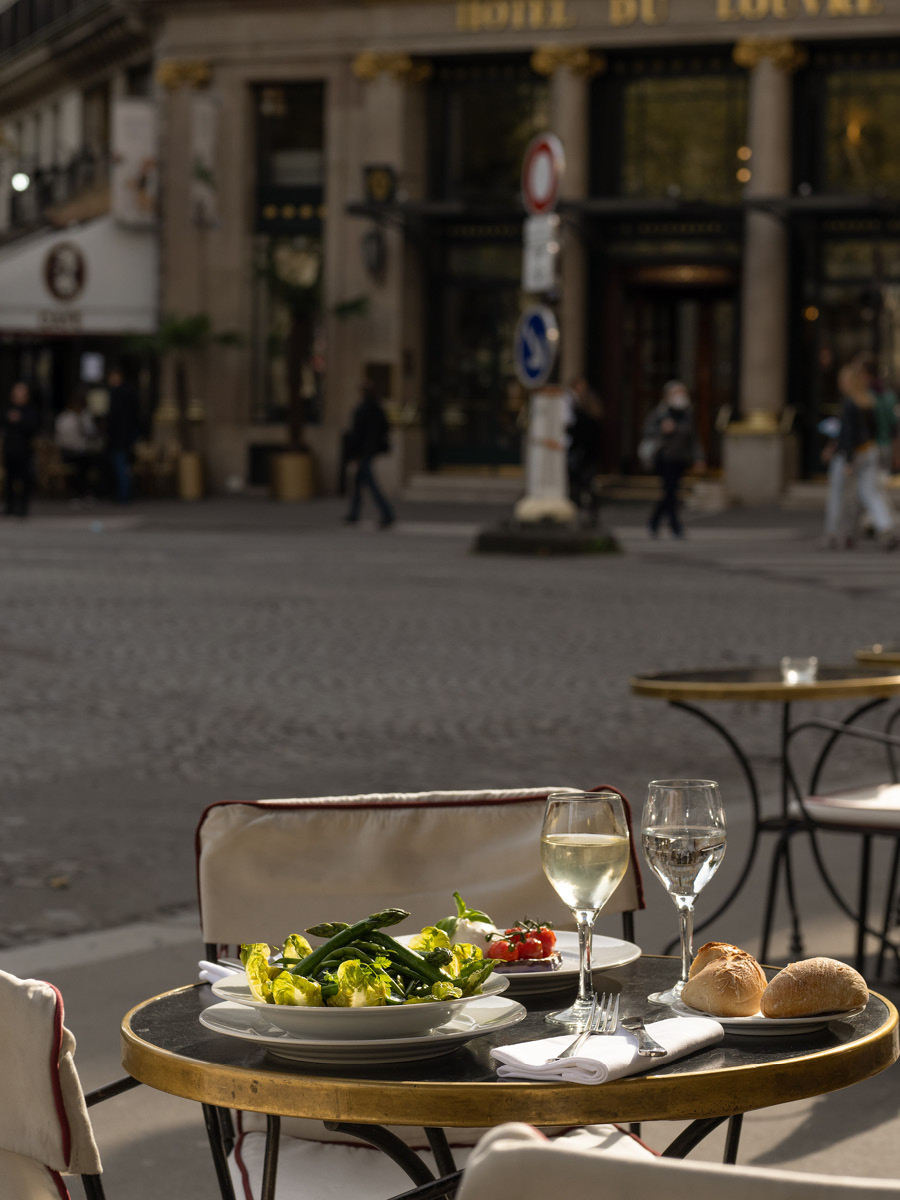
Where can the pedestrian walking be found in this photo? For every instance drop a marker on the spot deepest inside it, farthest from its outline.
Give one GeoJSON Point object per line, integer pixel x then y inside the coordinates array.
{"type": "Point", "coordinates": [584, 447]}
{"type": "Point", "coordinates": [671, 444]}
{"type": "Point", "coordinates": [369, 438]}
{"type": "Point", "coordinates": [19, 425]}
{"type": "Point", "coordinates": [857, 444]}
{"type": "Point", "coordinates": [123, 428]}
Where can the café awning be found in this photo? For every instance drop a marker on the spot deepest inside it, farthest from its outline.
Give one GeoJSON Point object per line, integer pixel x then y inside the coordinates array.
{"type": "Point", "coordinates": [96, 278]}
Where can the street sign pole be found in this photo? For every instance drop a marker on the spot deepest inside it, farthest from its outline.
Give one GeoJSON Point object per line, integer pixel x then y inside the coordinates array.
{"type": "Point", "coordinates": [536, 345]}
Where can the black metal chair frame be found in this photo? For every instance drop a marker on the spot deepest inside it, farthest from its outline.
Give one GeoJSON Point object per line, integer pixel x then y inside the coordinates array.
{"type": "Point", "coordinates": [93, 1184]}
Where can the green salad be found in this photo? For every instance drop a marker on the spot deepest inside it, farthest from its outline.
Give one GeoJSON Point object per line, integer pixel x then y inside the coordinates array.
{"type": "Point", "coordinates": [360, 966]}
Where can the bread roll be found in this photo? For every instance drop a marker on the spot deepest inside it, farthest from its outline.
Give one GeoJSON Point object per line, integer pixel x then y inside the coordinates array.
{"type": "Point", "coordinates": [709, 951]}
{"type": "Point", "coordinates": [815, 985]}
{"type": "Point", "coordinates": [729, 985]}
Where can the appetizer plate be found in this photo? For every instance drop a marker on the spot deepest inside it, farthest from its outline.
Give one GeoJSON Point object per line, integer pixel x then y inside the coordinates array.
{"type": "Point", "coordinates": [760, 1026]}
{"type": "Point", "coordinates": [606, 953]}
{"type": "Point", "coordinates": [487, 1014]}
{"type": "Point", "coordinates": [381, 1021]}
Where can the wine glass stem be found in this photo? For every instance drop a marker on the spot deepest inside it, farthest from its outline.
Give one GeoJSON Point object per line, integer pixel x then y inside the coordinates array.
{"type": "Point", "coordinates": [585, 921]}
{"type": "Point", "coordinates": [686, 912]}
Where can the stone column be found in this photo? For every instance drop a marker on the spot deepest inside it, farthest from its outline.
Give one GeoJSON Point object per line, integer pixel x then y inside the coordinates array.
{"type": "Point", "coordinates": [392, 134]}
{"type": "Point", "coordinates": [754, 448]}
{"type": "Point", "coordinates": [571, 69]}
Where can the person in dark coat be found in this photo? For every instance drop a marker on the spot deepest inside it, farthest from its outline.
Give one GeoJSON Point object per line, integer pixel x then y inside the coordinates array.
{"type": "Point", "coordinates": [123, 428]}
{"type": "Point", "coordinates": [19, 425]}
{"type": "Point", "coordinates": [369, 437]}
{"type": "Point", "coordinates": [671, 427]}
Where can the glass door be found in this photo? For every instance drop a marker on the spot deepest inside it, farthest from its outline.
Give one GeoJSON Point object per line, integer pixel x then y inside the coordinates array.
{"type": "Point", "coordinates": [675, 334]}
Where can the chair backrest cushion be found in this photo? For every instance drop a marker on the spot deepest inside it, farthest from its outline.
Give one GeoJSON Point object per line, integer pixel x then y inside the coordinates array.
{"type": "Point", "coordinates": [516, 1160]}
{"type": "Point", "coordinates": [42, 1111]}
{"type": "Point", "coordinates": [272, 867]}
{"type": "Point", "coordinates": [24, 1179]}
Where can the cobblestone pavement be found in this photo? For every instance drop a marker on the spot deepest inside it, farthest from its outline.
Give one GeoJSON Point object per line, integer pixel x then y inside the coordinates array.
{"type": "Point", "coordinates": [158, 661]}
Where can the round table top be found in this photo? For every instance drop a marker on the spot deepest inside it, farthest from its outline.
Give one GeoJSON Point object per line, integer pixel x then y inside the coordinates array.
{"type": "Point", "coordinates": [881, 652]}
{"type": "Point", "coordinates": [766, 683]}
{"type": "Point", "coordinates": [166, 1047]}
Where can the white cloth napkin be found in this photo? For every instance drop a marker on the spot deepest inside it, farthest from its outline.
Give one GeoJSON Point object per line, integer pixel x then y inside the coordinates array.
{"type": "Point", "coordinates": [605, 1056]}
{"type": "Point", "coordinates": [210, 971]}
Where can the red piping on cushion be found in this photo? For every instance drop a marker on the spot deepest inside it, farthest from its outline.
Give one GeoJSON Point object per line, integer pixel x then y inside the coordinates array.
{"type": "Point", "coordinates": [60, 1186]}
{"type": "Point", "coordinates": [640, 1141]}
{"type": "Point", "coordinates": [245, 1176]}
{"type": "Point", "coordinates": [62, 1115]}
{"type": "Point", "coordinates": [283, 807]}
{"type": "Point", "coordinates": [632, 849]}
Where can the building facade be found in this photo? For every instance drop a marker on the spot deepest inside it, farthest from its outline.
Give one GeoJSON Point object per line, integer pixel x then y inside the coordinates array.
{"type": "Point", "coordinates": [339, 186]}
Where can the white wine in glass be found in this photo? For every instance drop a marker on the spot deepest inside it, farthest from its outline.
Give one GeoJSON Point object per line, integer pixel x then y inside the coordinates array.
{"type": "Point", "coordinates": [683, 839]}
{"type": "Point", "coordinates": [584, 853]}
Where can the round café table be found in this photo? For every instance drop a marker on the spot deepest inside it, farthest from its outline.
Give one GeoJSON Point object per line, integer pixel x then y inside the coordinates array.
{"type": "Point", "coordinates": [886, 654]}
{"type": "Point", "coordinates": [871, 684]}
{"type": "Point", "coordinates": [165, 1046]}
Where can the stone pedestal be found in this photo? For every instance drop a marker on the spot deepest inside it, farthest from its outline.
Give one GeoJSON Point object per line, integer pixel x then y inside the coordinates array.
{"type": "Point", "coordinates": [756, 461]}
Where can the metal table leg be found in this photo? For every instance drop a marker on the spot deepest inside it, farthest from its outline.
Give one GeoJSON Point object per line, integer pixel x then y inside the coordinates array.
{"type": "Point", "coordinates": [220, 1159]}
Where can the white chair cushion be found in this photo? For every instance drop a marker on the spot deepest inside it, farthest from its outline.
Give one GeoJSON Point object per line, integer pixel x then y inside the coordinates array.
{"type": "Point", "coordinates": [876, 807]}
{"type": "Point", "coordinates": [42, 1111]}
{"type": "Point", "coordinates": [515, 1160]}
{"type": "Point", "coordinates": [351, 1171]}
{"type": "Point", "coordinates": [273, 867]}
{"type": "Point", "coordinates": [24, 1179]}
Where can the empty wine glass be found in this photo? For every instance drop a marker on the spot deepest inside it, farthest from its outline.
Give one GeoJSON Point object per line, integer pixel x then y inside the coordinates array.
{"type": "Point", "coordinates": [683, 838]}
{"type": "Point", "coordinates": [584, 853]}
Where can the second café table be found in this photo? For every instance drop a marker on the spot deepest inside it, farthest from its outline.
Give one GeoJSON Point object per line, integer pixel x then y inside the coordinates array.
{"type": "Point", "coordinates": [165, 1046]}
{"type": "Point", "coordinates": [873, 684]}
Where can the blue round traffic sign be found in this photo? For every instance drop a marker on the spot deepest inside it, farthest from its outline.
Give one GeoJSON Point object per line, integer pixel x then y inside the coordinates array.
{"type": "Point", "coordinates": [535, 346]}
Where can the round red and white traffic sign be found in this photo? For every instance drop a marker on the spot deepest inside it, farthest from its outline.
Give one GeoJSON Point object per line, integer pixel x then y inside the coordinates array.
{"type": "Point", "coordinates": [542, 170]}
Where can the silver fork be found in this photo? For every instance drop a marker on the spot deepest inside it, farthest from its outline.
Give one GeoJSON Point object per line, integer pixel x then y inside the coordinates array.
{"type": "Point", "coordinates": [604, 1016]}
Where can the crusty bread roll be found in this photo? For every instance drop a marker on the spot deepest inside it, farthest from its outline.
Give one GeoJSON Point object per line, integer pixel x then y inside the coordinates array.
{"type": "Point", "coordinates": [729, 985]}
{"type": "Point", "coordinates": [815, 985]}
{"type": "Point", "coordinates": [709, 951]}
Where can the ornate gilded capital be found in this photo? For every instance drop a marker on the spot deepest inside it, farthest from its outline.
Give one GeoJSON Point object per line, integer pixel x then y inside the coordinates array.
{"type": "Point", "coordinates": [174, 73]}
{"type": "Point", "coordinates": [547, 60]}
{"type": "Point", "coordinates": [749, 53]}
{"type": "Point", "coordinates": [403, 67]}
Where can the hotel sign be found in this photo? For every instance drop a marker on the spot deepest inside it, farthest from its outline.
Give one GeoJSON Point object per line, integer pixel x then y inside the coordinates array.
{"type": "Point", "coordinates": [547, 16]}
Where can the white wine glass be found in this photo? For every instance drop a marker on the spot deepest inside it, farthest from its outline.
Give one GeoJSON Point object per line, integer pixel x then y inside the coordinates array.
{"type": "Point", "coordinates": [683, 838]}
{"type": "Point", "coordinates": [584, 853]}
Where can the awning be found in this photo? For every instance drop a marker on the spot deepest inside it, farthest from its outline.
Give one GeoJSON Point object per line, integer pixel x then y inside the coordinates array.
{"type": "Point", "coordinates": [98, 278]}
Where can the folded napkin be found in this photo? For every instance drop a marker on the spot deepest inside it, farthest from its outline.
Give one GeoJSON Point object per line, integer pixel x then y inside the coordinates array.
{"type": "Point", "coordinates": [210, 971]}
{"type": "Point", "coordinates": [605, 1056]}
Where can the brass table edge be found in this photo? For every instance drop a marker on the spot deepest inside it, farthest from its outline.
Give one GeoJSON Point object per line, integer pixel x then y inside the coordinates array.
{"type": "Point", "coordinates": [872, 654]}
{"type": "Point", "coordinates": [826, 689]}
{"type": "Point", "coordinates": [690, 1094]}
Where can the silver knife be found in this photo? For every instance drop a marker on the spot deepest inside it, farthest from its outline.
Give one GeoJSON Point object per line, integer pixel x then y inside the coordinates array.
{"type": "Point", "coordinates": [647, 1046]}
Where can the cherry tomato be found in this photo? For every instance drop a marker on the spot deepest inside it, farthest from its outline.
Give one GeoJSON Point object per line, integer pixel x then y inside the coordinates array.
{"type": "Point", "coordinates": [502, 949]}
{"type": "Point", "coordinates": [548, 939]}
{"type": "Point", "coordinates": [532, 947]}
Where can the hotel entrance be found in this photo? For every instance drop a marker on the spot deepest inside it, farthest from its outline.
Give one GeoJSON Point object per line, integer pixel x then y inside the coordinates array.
{"type": "Point", "coordinates": [676, 322]}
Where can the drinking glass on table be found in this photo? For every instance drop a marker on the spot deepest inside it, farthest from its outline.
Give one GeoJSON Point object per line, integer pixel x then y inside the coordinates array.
{"type": "Point", "coordinates": [584, 853]}
{"type": "Point", "coordinates": [683, 838]}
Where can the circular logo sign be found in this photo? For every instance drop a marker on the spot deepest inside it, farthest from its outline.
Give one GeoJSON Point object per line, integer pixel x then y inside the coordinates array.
{"type": "Point", "coordinates": [536, 345]}
{"type": "Point", "coordinates": [65, 271]}
{"type": "Point", "coordinates": [542, 170]}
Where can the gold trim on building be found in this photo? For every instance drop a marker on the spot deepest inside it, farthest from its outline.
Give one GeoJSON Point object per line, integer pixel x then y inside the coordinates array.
{"type": "Point", "coordinates": [403, 67]}
{"type": "Point", "coordinates": [174, 73]}
{"type": "Point", "coordinates": [547, 60]}
{"type": "Point", "coordinates": [749, 52]}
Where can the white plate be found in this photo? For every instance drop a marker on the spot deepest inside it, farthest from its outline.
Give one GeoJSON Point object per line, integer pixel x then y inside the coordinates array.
{"type": "Point", "coordinates": [760, 1026]}
{"type": "Point", "coordinates": [480, 1016]}
{"type": "Point", "coordinates": [379, 1021]}
{"type": "Point", "coordinates": [606, 953]}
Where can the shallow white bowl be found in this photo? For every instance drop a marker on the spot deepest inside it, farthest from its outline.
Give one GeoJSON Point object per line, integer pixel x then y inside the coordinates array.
{"type": "Point", "coordinates": [393, 1021]}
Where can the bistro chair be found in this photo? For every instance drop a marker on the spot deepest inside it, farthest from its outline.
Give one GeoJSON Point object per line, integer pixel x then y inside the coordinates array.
{"type": "Point", "coordinates": [269, 868]}
{"type": "Point", "coordinates": [516, 1160]}
{"type": "Point", "coordinates": [45, 1129]}
{"type": "Point", "coordinates": [863, 812]}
